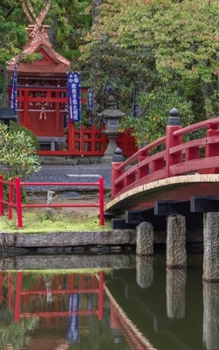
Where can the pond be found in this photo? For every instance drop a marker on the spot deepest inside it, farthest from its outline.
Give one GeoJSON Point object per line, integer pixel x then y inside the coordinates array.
{"type": "Point", "coordinates": [131, 306]}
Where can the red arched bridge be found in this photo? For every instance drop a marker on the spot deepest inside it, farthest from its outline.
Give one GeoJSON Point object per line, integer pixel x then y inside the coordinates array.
{"type": "Point", "coordinates": [176, 174]}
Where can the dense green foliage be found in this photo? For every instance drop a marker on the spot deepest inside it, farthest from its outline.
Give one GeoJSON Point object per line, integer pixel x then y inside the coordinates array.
{"type": "Point", "coordinates": [16, 127]}
{"type": "Point", "coordinates": [168, 48]}
{"type": "Point", "coordinates": [17, 153]}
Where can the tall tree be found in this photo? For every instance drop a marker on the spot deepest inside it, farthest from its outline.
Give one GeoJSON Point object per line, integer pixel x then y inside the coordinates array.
{"type": "Point", "coordinates": [169, 46]}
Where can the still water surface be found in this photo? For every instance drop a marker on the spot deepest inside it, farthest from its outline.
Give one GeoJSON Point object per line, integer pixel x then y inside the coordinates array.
{"type": "Point", "coordinates": [172, 309]}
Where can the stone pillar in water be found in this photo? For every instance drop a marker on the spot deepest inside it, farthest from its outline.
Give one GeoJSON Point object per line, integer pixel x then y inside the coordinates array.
{"type": "Point", "coordinates": [175, 293]}
{"type": "Point", "coordinates": [211, 315]}
{"type": "Point", "coordinates": [145, 239]}
{"type": "Point", "coordinates": [176, 242]}
{"type": "Point", "coordinates": [144, 271]}
{"type": "Point", "coordinates": [211, 247]}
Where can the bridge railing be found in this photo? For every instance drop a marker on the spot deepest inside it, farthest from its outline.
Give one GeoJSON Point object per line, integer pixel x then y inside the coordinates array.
{"type": "Point", "coordinates": [171, 155]}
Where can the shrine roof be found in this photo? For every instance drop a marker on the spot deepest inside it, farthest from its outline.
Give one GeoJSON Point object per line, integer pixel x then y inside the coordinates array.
{"type": "Point", "coordinates": [51, 63]}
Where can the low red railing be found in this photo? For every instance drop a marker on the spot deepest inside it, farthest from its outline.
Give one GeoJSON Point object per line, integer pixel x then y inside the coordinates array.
{"type": "Point", "coordinates": [177, 157]}
{"type": "Point", "coordinates": [91, 142]}
{"type": "Point", "coordinates": [15, 200]}
{"type": "Point", "coordinates": [99, 290]}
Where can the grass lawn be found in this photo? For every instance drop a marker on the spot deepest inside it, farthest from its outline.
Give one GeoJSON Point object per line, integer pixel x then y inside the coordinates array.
{"type": "Point", "coordinates": [54, 220]}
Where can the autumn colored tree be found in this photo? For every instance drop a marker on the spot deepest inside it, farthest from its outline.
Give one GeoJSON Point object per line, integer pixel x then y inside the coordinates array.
{"type": "Point", "coordinates": [169, 48]}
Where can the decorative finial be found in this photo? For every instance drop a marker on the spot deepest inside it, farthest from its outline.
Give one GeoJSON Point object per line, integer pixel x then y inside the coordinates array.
{"type": "Point", "coordinates": [36, 29]}
{"type": "Point", "coordinates": [111, 103]}
{"type": "Point", "coordinates": [174, 119]}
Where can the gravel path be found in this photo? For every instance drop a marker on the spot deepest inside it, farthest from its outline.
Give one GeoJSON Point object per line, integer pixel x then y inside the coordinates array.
{"type": "Point", "coordinates": [57, 173]}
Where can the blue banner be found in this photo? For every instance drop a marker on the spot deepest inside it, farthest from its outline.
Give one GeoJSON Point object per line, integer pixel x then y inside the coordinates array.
{"type": "Point", "coordinates": [74, 96]}
{"type": "Point", "coordinates": [14, 92]}
{"type": "Point", "coordinates": [73, 320]}
{"type": "Point", "coordinates": [134, 104]}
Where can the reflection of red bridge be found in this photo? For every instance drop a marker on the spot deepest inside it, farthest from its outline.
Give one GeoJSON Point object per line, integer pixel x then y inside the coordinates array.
{"type": "Point", "coordinates": [169, 171]}
{"type": "Point", "coordinates": [76, 283]}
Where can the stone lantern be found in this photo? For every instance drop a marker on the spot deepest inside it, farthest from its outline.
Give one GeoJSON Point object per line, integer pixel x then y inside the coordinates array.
{"type": "Point", "coordinates": [111, 115]}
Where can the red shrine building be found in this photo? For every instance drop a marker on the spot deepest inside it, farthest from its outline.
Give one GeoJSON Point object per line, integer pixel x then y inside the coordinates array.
{"type": "Point", "coordinates": [42, 102]}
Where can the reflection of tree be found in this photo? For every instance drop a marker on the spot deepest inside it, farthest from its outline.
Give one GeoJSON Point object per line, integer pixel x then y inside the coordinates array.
{"type": "Point", "coordinates": [15, 334]}
{"type": "Point", "coordinates": [100, 336]}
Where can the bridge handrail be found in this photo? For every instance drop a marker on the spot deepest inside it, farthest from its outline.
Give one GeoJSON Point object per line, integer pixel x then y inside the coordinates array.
{"type": "Point", "coordinates": [142, 152]}
{"type": "Point", "coordinates": [209, 123]}
{"type": "Point", "coordinates": [179, 158]}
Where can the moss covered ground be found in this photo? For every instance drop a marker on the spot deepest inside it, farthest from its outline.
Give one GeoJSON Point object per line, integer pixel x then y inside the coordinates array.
{"type": "Point", "coordinates": [49, 220]}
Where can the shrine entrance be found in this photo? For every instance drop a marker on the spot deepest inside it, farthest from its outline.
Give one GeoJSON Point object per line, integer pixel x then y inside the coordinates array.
{"type": "Point", "coordinates": [43, 108]}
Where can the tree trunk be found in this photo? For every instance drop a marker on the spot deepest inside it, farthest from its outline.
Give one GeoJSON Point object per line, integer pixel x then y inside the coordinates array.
{"type": "Point", "coordinates": [96, 108]}
{"type": "Point", "coordinates": [4, 94]}
{"type": "Point", "coordinates": [207, 90]}
{"type": "Point", "coordinates": [95, 9]}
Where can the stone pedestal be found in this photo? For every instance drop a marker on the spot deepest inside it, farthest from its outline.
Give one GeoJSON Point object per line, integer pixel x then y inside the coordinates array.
{"type": "Point", "coordinates": [175, 293]}
{"type": "Point", "coordinates": [144, 271]}
{"type": "Point", "coordinates": [176, 242]}
{"type": "Point", "coordinates": [211, 315]}
{"type": "Point", "coordinates": [145, 239]}
{"type": "Point", "coordinates": [111, 116]}
{"type": "Point", "coordinates": [211, 247]}
{"type": "Point", "coordinates": [112, 146]}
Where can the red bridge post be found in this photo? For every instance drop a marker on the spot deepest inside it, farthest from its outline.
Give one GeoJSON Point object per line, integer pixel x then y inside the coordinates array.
{"type": "Point", "coordinates": [173, 124]}
{"type": "Point", "coordinates": [115, 174]}
{"type": "Point", "coordinates": [212, 149]}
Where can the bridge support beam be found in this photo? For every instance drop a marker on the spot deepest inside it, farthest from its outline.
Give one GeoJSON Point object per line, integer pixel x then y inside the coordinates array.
{"type": "Point", "coordinates": [144, 271]}
{"type": "Point", "coordinates": [176, 242]}
{"type": "Point", "coordinates": [211, 247]}
{"type": "Point", "coordinates": [145, 239]}
{"type": "Point", "coordinates": [176, 293]}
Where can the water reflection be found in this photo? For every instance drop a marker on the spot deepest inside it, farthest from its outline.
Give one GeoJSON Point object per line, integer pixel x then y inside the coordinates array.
{"type": "Point", "coordinates": [143, 307]}
{"type": "Point", "coordinates": [170, 307]}
{"type": "Point", "coordinates": [175, 292]}
{"type": "Point", "coordinates": [55, 312]}
{"type": "Point", "coordinates": [211, 315]}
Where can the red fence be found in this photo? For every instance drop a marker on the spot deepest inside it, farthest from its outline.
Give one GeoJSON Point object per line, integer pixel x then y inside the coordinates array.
{"type": "Point", "coordinates": [177, 157]}
{"type": "Point", "coordinates": [15, 200]}
{"type": "Point", "coordinates": [84, 288]}
{"type": "Point", "coordinates": [91, 142]}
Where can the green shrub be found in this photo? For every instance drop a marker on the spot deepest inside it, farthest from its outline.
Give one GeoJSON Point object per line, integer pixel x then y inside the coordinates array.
{"type": "Point", "coordinates": [15, 127]}
{"type": "Point", "coordinates": [18, 156]}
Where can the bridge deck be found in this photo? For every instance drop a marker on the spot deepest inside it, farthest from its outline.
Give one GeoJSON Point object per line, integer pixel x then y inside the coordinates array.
{"type": "Point", "coordinates": [180, 188]}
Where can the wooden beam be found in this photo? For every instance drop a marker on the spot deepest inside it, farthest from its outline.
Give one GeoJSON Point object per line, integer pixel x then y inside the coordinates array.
{"type": "Point", "coordinates": [171, 207]}
{"type": "Point", "coordinates": [207, 204]}
{"type": "Point", "coordinates": [135, 217]}
{"type": "Point", "coordinates": [121, 224]}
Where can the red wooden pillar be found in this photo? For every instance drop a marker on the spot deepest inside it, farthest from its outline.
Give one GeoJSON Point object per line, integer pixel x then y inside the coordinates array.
{"type": "Point", "coordinates": [57, 111]}
{"type": "Point", "coordinates": [115, 175]}
{"type": "Point", "coordinates": [211, 149]}
{"type": "Point", "coordinates": [26, 121]}
{"type": "Point", "coordinates": [71, 136]}
{"type": "Point", "coordinates": [101, 296]}
{"type": "Point", "coordinates": [18, 296]}
{"type": "Point", "coordinates": [70, 281]}
{"type": "Point", "coordinates": [143, 170]}
{"type": "Point", "coordinates": [173, 124]}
